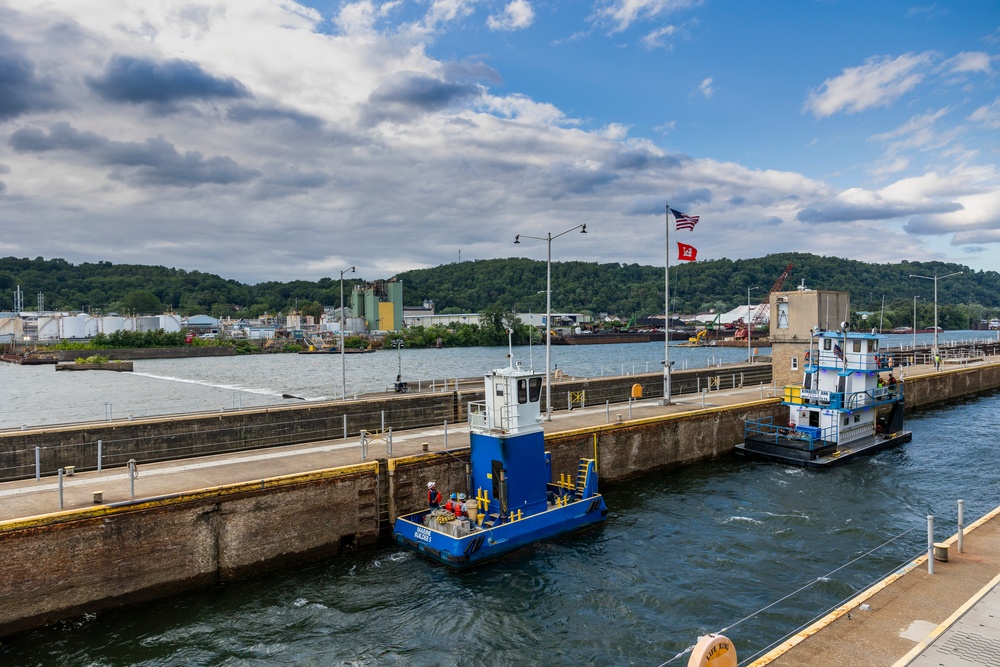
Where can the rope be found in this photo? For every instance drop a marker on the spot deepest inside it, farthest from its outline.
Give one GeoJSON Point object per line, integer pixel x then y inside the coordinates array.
{"type": "Point", "coordinates": [796, 592]}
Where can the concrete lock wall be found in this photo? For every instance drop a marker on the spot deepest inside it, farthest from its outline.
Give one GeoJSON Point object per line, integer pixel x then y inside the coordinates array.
{"type": "Point", "coordinates": [65, 564]}
{"type": "Point", "coordinates": [164, 438]}
{"type": "Point", "coordinates": [158, 439]}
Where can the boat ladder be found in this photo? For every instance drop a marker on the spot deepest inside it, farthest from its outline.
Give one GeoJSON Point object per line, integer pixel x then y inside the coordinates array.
{"type": "Point", "coordinates": [582, 474]}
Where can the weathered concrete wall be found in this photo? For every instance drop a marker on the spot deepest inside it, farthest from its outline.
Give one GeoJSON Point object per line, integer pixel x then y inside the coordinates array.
{"type": "Point", "coordinates": [133, 353]}
{"type": "Point", "coordinates": [65, 564]}
{"type": "Point", "coordinates": [158, 439]}
{"type": "Point", "coordinates": [642, 446]}
{"type": "Point", "coordinates": [950, 384]}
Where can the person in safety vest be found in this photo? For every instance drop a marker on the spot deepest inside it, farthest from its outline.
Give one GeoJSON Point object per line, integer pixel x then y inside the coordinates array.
{"type": "Point", "coordinates": [460, 506]}
{"type": "Point", "coordinates": [450, 505]}
{"type": "Point", "coordinates": [433, 496]}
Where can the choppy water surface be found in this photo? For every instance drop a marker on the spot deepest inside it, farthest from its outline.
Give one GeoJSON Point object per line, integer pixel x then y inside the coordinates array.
{"type": "Point", "coordinates": [682, 553]}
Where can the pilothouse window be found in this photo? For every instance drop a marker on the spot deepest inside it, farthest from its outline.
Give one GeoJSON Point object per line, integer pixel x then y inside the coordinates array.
{"type": "Point", "coordinates": [522, 391]}
{"type": "Point", "coordinates": [534, 389]}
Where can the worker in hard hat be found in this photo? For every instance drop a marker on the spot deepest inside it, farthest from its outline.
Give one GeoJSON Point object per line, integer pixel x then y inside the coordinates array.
{"type": "Point", "coordinates": [433, 496]}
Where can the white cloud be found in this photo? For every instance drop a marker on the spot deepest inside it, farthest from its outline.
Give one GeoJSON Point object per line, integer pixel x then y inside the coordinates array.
{"type": "Point", "coordinates": [705, 88]}
{"type": "Point", "coordinates": [879, 82]}
{"type": "Point", "coordinates": [969, 62]}
{"type": "Point", "coordinates": [516, 16]}
{"type": "Point", "coordinates": [988, 115]}
{"type": "Point", "coordinates": [655, 39]}
{"type": "Point", "coordinates": [621, 14]}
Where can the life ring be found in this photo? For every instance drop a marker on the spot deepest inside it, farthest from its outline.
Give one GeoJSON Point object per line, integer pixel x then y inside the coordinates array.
{"type": "Point", "coordinates": [807, 356]}
{"type": "Point", "coordinates": [792, 424]}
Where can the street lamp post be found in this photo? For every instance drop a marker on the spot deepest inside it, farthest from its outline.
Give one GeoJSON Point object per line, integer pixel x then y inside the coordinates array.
{"type": "Point", "coordinates": [935, 278]}
{"type": "Point", "coordinates": [399, 344]}
{"type": "Point", "coordinates": [749, 320]}
{"type": "Point", "coordinates": [548, 310]}
{"type": "Point", "coordinates": [343, 366]}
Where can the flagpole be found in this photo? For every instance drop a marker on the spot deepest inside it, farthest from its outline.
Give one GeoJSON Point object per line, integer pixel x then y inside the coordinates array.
{"type": "Point", "coordinates": [666, 313]}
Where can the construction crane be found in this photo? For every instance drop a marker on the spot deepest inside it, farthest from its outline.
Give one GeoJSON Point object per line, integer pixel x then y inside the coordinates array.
{"type": "Point", "coordinates": [761, 311]}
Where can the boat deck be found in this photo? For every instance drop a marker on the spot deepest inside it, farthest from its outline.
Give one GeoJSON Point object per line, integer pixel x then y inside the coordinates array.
{"type": "Point", "coordinates": [793, 451]}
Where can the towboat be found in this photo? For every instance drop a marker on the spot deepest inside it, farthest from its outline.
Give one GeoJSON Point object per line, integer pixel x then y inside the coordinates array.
{"type": "Point", "coordinates": [849, 404]}
{"type": "Point", "coordinates": [513, 499]}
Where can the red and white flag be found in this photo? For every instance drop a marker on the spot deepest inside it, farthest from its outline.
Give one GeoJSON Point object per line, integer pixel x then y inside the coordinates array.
{"type": "Point", "coordinates": [686, 253]}
{"type": "Point", "coordinates": [685, 221]}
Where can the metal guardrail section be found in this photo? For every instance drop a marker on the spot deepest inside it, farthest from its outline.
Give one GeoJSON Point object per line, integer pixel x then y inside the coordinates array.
{"type": "Point", "coordinates": [477, 416]}
{"type": "Point", "coordinates": [766, 429]}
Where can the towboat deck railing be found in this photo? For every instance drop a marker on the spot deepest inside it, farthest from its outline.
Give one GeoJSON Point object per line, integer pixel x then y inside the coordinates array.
{"type": "Point", "coordinates": [479, 418]}
{"type": "Point", "coordinates": [766, 430]}
{"type": "Point", "coordinates": [799, 396]}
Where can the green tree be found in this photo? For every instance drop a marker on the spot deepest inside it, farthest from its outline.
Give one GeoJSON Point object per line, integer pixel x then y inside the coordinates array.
{"type": "Point", "coordinates": [141, 302]}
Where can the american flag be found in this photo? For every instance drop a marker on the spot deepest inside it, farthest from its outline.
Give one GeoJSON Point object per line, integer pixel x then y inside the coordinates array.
{"type": "Point", "coordinates": [684, 221]}
{"type": "Point", "coordinates": [837, 351]}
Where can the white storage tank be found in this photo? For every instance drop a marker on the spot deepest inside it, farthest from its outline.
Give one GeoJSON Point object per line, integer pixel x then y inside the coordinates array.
{"type": "Point", "coordinates": [170, 323]}
{"type": "Point", "coordinates": [73, 327]}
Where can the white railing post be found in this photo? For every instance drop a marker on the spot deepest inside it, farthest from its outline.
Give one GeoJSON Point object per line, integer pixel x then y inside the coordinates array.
{"type": "Point", "coordinates": [930, 544]}
{"type": "Point", "coordinates": [961, 526]}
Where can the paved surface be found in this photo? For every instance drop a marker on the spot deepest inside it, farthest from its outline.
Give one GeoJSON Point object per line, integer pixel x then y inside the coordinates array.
{"type": "Point", "coordinates": [36, 497]}
{"type": "Point", "coordinates": [912, 618]}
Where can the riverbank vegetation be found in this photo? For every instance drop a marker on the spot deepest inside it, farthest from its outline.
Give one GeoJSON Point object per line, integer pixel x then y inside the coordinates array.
{"type": "Point", "coordinates": [487, 287]}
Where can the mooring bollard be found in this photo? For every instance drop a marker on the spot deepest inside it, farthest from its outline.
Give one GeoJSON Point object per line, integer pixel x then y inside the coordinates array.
{"type": "Point", "coordinates": [60, 488]}
{"type": "Point", "coordinates": [345, 427]}
{"type": "Point", "coordinates": [607, 411]}
{"type": "Point", "coordinates": [38, 462]}
{"type": "Point", "coordinates": [930, 544]}
{"type": "Point", "coordinates": [100, 448]}
{"type": "Point", "coordinates": [961, 526]}
{"type": "Point", "coordinates": [133, 472]}
{"type": "Point", "coordinates": [446, 434]}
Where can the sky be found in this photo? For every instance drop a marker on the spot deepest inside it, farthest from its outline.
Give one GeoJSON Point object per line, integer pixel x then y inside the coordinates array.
{"type": "Point", "coordinates": [274, 140]}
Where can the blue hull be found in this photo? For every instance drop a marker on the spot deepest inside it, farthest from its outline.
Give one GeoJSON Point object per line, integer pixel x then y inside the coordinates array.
{"type": "Point", "coordinates": [485, 543]}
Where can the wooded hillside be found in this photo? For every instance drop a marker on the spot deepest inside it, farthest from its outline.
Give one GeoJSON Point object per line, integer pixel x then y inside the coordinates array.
{"type": "Point", "coordinates": [517, 285]}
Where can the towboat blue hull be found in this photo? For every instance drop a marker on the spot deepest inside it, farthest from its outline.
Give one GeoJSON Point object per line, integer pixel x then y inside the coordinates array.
{"type": "Point", "coordinates": [484, 543]}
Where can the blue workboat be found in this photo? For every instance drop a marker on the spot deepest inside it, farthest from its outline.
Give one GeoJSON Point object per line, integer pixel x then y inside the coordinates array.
{"type": "Point", "coordinates": [849, 404]}
{"type": "Point", "coordinates": [513, 499]}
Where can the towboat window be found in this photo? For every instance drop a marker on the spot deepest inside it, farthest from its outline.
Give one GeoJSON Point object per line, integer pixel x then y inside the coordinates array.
{"type": "Point", "coordinates": [827, 344]}
{"type": "Point", "coordinates": [873, 346]}
{"type": "Point", "coordinates": [847, 421]}
{"type": "Point", "coordinates": [856, 346]}
{"type": "Point", "coordinates": [857, 418]}
{"type": "Point", "coordinates": [808, 381]}
{"type": "Point", "coordinates": [534, 389]}
{"type": "Point", "coordinates": [522, 391]}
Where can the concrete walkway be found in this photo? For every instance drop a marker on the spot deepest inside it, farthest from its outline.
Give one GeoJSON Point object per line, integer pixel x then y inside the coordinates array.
{"type": "Point", "coordinates": [31, 497]}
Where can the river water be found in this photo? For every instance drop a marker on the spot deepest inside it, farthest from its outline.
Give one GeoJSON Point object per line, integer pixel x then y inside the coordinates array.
{"type": "Point", "coordinates": [35, 396]}
{"type": "Point", "coordinates": [682, 553]}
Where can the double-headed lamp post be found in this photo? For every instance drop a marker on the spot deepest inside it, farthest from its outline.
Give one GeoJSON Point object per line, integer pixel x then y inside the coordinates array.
{"type": "Point", "coordinates": [935, 278]}
{"type": "Point", "coordinates": [343, 366]}
{"type": "Point", "coordinates": [749, 320]}
{"type": "Point", "coordinates": [548, 310]}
